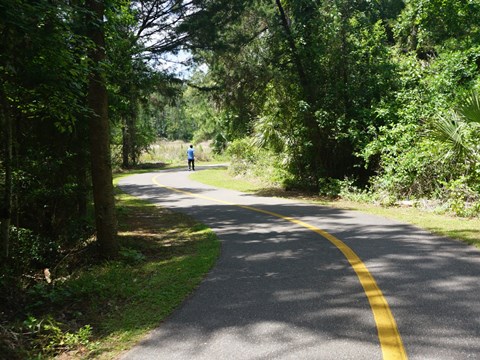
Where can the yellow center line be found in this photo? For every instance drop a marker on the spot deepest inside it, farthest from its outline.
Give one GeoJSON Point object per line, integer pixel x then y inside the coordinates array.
{"type": "Point", "coordinates": [388, 334]}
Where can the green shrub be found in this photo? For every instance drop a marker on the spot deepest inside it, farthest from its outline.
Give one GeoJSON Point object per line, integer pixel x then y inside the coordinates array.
{"type": "Point", "coordinates": [462, 200]}
{"type": "Point", "coordinates": [349, 191]}
{"type": "Point", "coordinates": [329, 187]}
{"type": "Point", "coordinates": [30, 251]}
{"type": "Point", "coordinates": [248, 160]}
{"type": "Point", "coordinates": [243, 156]}
{"type": "Point", "coordinates": [47, 337]}
{"type": "Point", "coordinates": [131, 256]}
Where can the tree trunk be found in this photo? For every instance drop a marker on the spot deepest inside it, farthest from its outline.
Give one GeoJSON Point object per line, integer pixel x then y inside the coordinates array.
{"type": "Point", "coordinates": [99, 133]}
{"type": "Point", "coordinates": [81, 175]}
{"type": "Point", "coordinates": [129, 137]}
{"type": "Point", "coordinates": [132, 132]}
{"type": "Point", "coordinates": [6, 197]}
{"type": "Point", "coordinates": [125, 145]}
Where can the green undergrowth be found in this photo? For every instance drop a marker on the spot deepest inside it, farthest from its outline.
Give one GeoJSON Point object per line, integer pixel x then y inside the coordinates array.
{"type": "Point", "coordinates": [98, 310]}
{"type": "Point", "coordinates": [464, 229]}
{"type": "Point", "coordinates": [167, 255]}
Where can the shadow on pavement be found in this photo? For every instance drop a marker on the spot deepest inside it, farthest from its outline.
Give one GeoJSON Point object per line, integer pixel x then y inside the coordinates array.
{"type": "Point", "coordinates": [279, 289]}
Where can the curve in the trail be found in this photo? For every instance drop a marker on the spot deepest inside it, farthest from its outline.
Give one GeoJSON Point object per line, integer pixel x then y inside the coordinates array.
{"type": "Point", "coordinates": [278, 292]}
{"type": "Point", "coordinates": [388, 334]}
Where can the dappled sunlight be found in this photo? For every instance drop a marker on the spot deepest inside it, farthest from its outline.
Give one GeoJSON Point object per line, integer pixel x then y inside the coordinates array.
{"type": "Point", "coordinates": [273, 271]}
{"type": "Point", "coordinates": [286, 254]}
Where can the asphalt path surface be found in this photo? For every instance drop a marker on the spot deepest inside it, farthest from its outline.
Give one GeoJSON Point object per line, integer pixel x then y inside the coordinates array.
{"type": "Point", "coordinates": [281, 291]}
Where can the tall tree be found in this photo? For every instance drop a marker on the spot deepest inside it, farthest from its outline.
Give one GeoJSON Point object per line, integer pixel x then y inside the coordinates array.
{"type": "Point", "coordinates": [6, 150]}
{"type": "Point", "coordinates": [6, 194]}
{"type": "Point", "coordinates": [99, 133]}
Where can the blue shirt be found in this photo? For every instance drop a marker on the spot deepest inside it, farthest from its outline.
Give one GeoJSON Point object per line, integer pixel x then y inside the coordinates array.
{"type": "Point", "coordinates": [190, 154]}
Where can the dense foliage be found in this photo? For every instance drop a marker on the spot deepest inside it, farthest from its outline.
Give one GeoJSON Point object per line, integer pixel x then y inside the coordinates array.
{"type": "Point", "coordinates": [354, 92]}
{"type": "Point", "coordinates": [58, 60]}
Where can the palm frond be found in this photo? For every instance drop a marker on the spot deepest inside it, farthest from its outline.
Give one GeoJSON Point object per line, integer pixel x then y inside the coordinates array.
{"type": "Point", "coordinates": [268, 133]}
{"type": "Point", "coordinates": [470, 110]}
{"type": "Point", "coordinates": [452, 130]}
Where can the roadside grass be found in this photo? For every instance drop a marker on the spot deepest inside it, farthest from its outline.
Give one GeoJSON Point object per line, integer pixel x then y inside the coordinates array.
{"type": "Point", "coordinates": [165, 257]}
{"type": "Point", "coordinates": [103, 308]}
{"type": "Point", "coordinates": [220, 177]}
{"type": "Point", "coordinates": [466, 230]}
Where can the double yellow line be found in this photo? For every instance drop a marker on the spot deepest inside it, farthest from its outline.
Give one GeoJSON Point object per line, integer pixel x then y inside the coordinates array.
{"type": "Point", "coordinates": [388, 334]}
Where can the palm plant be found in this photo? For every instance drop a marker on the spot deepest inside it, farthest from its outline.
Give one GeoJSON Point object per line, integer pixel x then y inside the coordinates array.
{"type": "Point", "coordinates": [459, 129]}
{"type": "Point", "coordinates": [470, 110]}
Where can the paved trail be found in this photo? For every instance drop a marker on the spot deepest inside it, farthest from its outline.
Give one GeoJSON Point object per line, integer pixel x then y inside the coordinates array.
{"type": "Point", "coordinates": [283, 291]}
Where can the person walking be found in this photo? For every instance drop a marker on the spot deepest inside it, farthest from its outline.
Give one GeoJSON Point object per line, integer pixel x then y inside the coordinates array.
{"type": "Point", "coordinates": [191, 158]}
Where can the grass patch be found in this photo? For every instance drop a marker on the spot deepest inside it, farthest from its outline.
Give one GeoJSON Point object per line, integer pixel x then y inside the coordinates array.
{"type": "Point", "coordinates": [99, 309]}
{"type": "Point", "coordinates": [466, 230]}
{"type": "Point", "coordinates": [220, 177]}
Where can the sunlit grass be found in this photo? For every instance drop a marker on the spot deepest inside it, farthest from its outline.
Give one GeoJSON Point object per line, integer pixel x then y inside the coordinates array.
{"type": "Point", "coordinates": [220, 177]}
